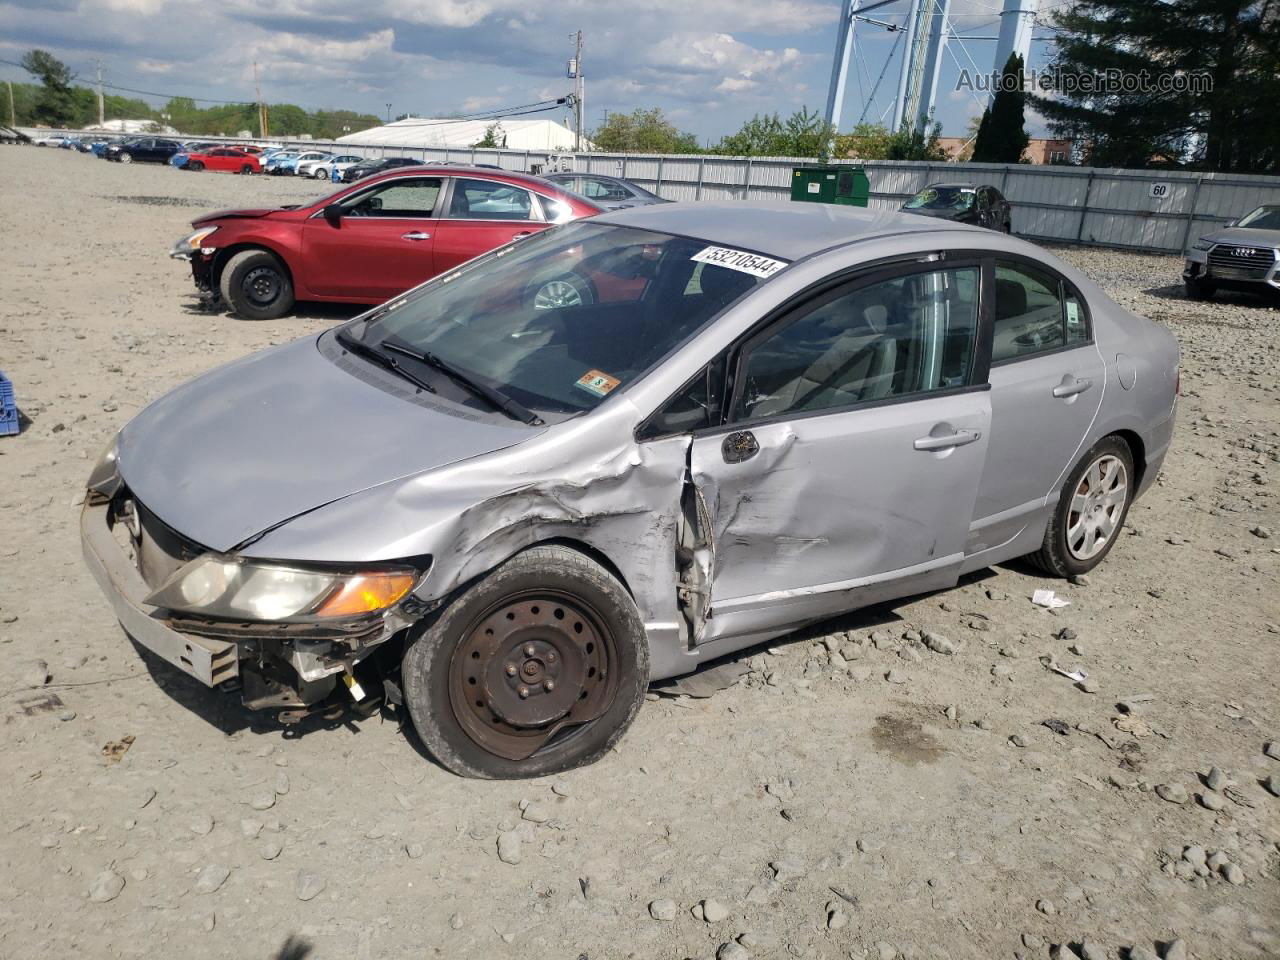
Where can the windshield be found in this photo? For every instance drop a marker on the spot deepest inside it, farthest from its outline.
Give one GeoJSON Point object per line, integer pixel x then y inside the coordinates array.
{"type": "Point", "coordinates": [1264, 218]}
{"type": "Point", "coordinates": [560, 321]}
{"type": "Point", "coordinates": [942, 198]}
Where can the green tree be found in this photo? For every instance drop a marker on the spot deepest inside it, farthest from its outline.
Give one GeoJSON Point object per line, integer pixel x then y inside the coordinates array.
{"type": "Point", "coordinates": [493, 137]}
{"type": "Point", "coordinates": [1002, 134]}
{"type": "Point", "coordinates": [1224, 122]}
{"type": "Point", "coordinates": [55, 106]}
{"type": "Point", "coordinates": [918, 143]}
{"type": "Point", "coordinates": [867, 141]}
{"type": "Point", "coordinates": [642, 131]}
{"type": "Point", "coordinates": [803, 134]}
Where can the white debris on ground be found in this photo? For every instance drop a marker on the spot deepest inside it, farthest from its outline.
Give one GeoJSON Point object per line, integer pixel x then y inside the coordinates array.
{"type": "Point", "coordinates": [907, 782]}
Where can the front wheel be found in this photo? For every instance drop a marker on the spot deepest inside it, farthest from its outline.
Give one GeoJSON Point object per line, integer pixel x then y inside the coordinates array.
{"type": "Point", "coordinates": [567, 290]}
{"type": "Point", "coordinates": [246, 169]}
{"type": "Point", "coordinates": [126, 158]}
{"type": "Point", "coordinates": [537, 668]}
{"type": "Point", "coordinates": [195, 165]}
{"type": "Point", "coordinates": [1091, 510]}
{"type": "Point", "coordinates": [320, 174]}
{"type": "Point", "coordinates": [256, 286]}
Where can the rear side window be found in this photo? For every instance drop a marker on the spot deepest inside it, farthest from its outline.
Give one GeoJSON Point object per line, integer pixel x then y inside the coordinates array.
{"type": "Point", "coordinates": [489, 200]}
{"type": "Point", "coordinates": [1035, 313]}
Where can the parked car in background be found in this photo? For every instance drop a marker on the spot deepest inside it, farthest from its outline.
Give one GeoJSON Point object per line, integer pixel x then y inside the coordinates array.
{"type": "Point", "coordinates": [70, 143]}
{"type": "Point", "coordinates": [536, 510]}
{"type": "Point", "coordinates": [323, 169]}
{"type": "Point", "coordinates": [369, 168]}
{"type": "Point", "coordinates": [179, 159]}
{"type": "Point", "coordinates": [370, 241]}
{"type": "Point", "coordinates": [225, 159]}
{"type": "Point", "coordinates": [1244, 255]}
{"type": "Point", "coordinates": [143, 150]}
{"type": "Point", "coordinates": [980, 205]}
{"type": "Point", "coordinates": [612, 193]}
{"type": "Point", "coordinates": [290, 165]}
{"type": "Point", "coordinates": [54, 141]}
{"type": "Point", "coordinates": [274, 160]}
{"type": "Point", "coordinates": [99, 146]}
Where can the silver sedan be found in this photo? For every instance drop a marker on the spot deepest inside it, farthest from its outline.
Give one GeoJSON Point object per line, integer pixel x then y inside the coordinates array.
{"type": "Point", "coordinates": [510, 515]}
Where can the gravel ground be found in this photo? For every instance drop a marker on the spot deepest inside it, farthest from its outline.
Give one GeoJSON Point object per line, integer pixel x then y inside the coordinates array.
{"type": "Point", "coordinates": [815, 809]}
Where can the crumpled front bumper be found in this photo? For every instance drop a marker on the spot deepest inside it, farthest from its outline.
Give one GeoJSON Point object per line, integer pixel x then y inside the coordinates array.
{"type": "Point", "coordinates": [210, 661]}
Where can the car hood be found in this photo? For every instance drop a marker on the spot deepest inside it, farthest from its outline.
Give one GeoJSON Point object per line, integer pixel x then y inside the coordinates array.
{"type": "Point", "coordinates": [279, 433]}
{"type": "Point", "coordinates": [941, 214]}
{"type": "Point", "coordinates": [1246, 236]}
{"type": "Point", "coordinates": [253, 213]}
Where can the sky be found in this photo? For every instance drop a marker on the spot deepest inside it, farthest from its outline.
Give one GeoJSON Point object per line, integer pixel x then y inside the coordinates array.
{"type": "Point", "coordinates": [709, 64]}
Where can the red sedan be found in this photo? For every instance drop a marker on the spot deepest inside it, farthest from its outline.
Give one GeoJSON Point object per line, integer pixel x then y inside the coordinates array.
{"type": "Point", "coordinates": [229, 159]}
{"type": "Point", "coordinates": [372, 239]}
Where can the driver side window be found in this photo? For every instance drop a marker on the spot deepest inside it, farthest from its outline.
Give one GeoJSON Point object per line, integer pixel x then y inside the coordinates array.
{"type": "Point", "coordinates": [407, 199]}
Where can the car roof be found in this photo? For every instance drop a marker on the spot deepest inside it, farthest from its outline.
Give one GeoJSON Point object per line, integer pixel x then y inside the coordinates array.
{"type": "Point", "coordinates": [784, 229]}
{"type": "Point", "coordinates": [959, 185]}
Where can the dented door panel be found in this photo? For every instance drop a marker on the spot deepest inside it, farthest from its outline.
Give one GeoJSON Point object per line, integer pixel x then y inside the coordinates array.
{"type": "Point", "coordinates": [838, 510]}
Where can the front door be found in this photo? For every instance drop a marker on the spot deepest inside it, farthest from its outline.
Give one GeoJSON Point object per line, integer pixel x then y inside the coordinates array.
{"type": "Point", "coordinates": [847, 475]}
{"type": "Point", "coordinates": [484, 215]}
{"type": "Point", "coordinates": [1047, 382]}
{"type": "Point", "coordinates": [381, 246]}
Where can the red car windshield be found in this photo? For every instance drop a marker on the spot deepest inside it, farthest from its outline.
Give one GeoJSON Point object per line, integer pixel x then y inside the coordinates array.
{"type": "Point", "coordinates": [562, 320]}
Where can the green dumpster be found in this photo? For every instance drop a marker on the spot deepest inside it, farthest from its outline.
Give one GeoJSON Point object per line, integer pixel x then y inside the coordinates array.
{"type": "Point", "coordinates": [844, 184]}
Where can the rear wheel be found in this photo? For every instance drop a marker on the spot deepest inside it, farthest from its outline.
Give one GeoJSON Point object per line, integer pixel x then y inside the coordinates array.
{"type": "Point", "coordinates": [246, 169]}
{"type": "Point", "coordinates": [1091, 510]}
{"type": "Point", "coordinates": [1199, 289]}
{"type": "Point", "coordinates": [539, 667]}
{"type": "Point", "coordinates": [320, 174]}
{"type": "Point", "coordinates": [568, 290]}
{"type": "Point", "coordinates": [195, 165]}
{"type": "Point", "coordinates": [256, 286]}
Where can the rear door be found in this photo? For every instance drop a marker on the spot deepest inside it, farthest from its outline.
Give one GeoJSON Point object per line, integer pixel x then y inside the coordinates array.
{"type": "Point", "coordinates": [484, 214]}
{"type": "Point", "coordinates": [382, 245]}
{"type": "Point", "coordinates": [857, 436]}
{"type": "Point", "coordinates": [1047, 383]}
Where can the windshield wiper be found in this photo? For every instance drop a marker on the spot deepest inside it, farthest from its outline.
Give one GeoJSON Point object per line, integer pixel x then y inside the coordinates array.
{"type": "Point", "coordinates": [381, 359]}
{"type": "Point", "coordinates": [496, 398]}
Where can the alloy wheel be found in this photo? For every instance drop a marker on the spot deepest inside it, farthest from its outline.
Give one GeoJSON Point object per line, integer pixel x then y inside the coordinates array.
{"type": "Point", "coordinates": [555, 294]}
{"type": "Point", "coordinates": [1097, 507]}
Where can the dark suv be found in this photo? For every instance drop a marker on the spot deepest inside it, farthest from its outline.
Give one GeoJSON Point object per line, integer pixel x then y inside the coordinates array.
{"type": "Point", "coordinates": [148, 149]}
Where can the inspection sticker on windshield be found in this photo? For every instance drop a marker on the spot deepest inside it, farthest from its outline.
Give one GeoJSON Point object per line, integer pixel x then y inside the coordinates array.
{"type": "Point", "coordinates": [739, 260]}
{"type": "Point", "coordinates": [597, 383]}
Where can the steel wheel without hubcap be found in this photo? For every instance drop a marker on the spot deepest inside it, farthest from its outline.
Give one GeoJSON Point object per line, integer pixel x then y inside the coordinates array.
{"type": "Point", "coordinates": [1097, 507]}
{"type": "Point", "coordinates": [261, 286]}
{"type": "Point", "coordinates": [530, 670]}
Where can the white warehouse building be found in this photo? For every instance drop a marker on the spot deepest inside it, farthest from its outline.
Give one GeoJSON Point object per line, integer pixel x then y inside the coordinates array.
{"type": "Point", "coordinates": [515, 134]}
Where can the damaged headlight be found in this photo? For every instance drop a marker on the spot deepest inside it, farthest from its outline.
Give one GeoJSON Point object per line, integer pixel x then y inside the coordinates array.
{"type": "Point", "coordinates": [185, 247]}
{"type": "Point", "coordinates": [1202, 244]}
{"type": "Point", "coordinates": [233, 588]}
{"type": "Point", "coordinates": [104, 479]}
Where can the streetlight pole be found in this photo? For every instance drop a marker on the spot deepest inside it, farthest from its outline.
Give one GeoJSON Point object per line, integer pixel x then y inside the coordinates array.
{"type": "Point", "coordinates": [388, 113]}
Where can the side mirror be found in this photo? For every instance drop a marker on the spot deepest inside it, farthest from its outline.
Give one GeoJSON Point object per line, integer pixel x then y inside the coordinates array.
{"type": "Point", "coordinates": [333, 213]}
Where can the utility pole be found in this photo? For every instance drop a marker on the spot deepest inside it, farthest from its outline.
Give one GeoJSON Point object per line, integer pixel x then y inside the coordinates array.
{"type": "Point", "coordinates": [579, 91]}
{"type": "Point", "coordinates": [13, 117]}
{"type": "Point", "coordinates": [102, 117]}
{"type": "Point", "coordinates": [263, 132]}
{"type": "Point", "coordinates": [388, 113]}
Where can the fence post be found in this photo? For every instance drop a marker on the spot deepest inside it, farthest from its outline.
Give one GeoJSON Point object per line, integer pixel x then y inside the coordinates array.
{"type": "Point", "coordinates": [526, 161]}
{"type": "Point", "coordinates": [746, 182]}
{"type": "Point", "coordinates": [624, 166]}
{"type": "Point", "coordinates": [1084, 207]}
{"type": "Point", "coordinates": [657, 187]}
{"type": "Point", "coordinates": [473, 156]}
{"type": "Point", "coordinates": [702, 166]}
{"type": "Point", "coordinates": [1191, 212]}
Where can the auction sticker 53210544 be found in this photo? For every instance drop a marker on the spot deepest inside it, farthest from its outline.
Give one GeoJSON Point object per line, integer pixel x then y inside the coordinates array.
{"type": "Point", "coordinates": [739, 260]}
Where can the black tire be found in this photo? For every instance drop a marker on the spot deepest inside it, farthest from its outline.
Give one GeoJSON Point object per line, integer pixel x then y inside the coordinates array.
{"type": "Point", "coordinates": [125, 158]}
{"type": "Point", "coordinates": [246, 169]}
{"type": "Point", "coordinates": [575, 291]}
{"type": "Point", "coordinates": [195, 165]}
{"type": "Point", "coordinates": [542, 580]}
{"type": "Point", "coordinates": [256, 286]}
{"type": "Point", "coordinates": [1055, 555]}
{"type": "Point", "coordinates": [1199, 289]}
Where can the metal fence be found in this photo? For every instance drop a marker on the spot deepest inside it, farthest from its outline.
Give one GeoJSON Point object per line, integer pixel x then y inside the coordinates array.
{"type": "Point", "coordinates": [1161, 211]}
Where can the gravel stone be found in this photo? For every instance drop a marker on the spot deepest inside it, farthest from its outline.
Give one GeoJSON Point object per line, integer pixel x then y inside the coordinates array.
{"type": "Point", "coordinates": [1211, 801]}
{"type": "Point", "coordinates": [1092, 950]}
{"type": "Point", "coordinates": [1176, 950]}
{"type": "Point", "coordinates": [1172, 792]}
{"type": "Point", "coordinates": [271, 849]}
{"type": "Point", "coordinates": [939, 644]}
{"type": "Point", "coordinates": [106, 887]}
{"type": "Point", "coordinates": [732, 951]}
{"type": "Point", "coordinates": [509, 847]}
{"type": "Point", "coordinates": [1046, 907]}
{"type": "Point", "coordinates": [414, 851]}
{"type": "Point", "coordinates": [1141, 953]}
{"type": "Point", "coordinates": [713, 911]}
{"type": "Point", "coordinates": [664, 910]}
{"type": "Point", "coordinates": [1194, 854]}
{"type": "Point", "coordinates": [1232, 873]}
{"type": "Point", "coordinates": [308, 886]}
{"type": "Point", "coordinates": [263, 801]}
{"type": "Point", "coordinates": [202, 824]}
{"type": "Point", "coordinates": [896, 676]}
{"type": "Point", "coordinates": [1215, 779]}
{"type": "Point", "coordinates": [211, 878]}
{"type": "Point", "coordinates": [1272, 783]}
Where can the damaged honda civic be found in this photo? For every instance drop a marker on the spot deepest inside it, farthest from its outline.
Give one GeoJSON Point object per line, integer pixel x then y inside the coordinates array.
{"type": "Point", "coordinates": [601, 456]}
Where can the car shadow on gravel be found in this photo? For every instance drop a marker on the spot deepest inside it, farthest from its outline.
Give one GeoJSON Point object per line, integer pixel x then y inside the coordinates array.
{"type": "Point", "coordinates": [1236, 298]}
{"type": "Point", "coordinates": [333, 313]}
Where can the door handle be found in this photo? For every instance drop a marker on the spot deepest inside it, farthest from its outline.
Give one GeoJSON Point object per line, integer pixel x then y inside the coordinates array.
{"type": "Point", "coordinates": [1069, 387]}
{"type": "Point", "coordinates": [948, 440]}
{"type": "Point", "coordinates": [415, 235]}
{"type": "Point", "coordinates": [522, 234]}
